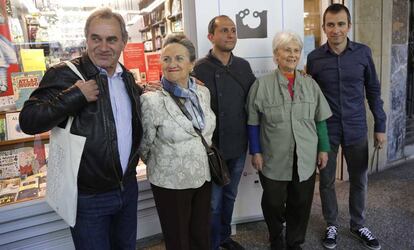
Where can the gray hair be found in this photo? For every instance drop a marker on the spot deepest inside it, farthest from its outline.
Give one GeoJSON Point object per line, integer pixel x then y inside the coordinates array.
{"type": "Point", "coordinates": [184, 41]}
{"type": "Point", "coordinates": [285, 37]}
{"type": "Point", "coordinates": [107, 13]}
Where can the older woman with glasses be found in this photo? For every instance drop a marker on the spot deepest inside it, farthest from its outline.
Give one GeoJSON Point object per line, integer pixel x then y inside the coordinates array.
{"type": "Point", "coordinates": [288, 139]}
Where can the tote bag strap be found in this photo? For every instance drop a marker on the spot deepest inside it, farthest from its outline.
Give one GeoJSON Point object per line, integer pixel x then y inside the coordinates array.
{"type": "Point", "coordinates": [74, 69]}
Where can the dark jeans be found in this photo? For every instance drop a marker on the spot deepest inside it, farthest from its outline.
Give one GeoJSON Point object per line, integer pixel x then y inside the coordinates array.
{"type": "Point", "coordinates": [184, 216]}
{"type": "Point", "coordinates": [107, 220]}
{"type": "Point", "coordinates": [290, 201]}
{"type": "Point", "coordinates": [356, 157]}
{"type": "Point", "coordinates": [222, 203]}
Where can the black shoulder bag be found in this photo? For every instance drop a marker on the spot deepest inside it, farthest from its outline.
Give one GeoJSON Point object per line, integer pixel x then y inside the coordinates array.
{"type": "Point", "coordinates": [218, 168]}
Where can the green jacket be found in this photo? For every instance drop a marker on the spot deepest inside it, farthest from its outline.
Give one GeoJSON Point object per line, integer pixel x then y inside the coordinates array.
{"type": "Point", "coordinates": [286, 123]}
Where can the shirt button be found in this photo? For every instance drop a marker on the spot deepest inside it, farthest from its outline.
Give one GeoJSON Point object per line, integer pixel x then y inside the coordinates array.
{"type": "Point", "coordinates": [222, 114]}
{"type": "Point", "coordinates": [217, 75]}
{"type": "Point", "coordinates": [220, 94]}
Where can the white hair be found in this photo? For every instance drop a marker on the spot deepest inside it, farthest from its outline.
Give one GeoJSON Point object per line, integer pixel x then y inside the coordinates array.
{"type": "Point", "coordinates": [284, 37]}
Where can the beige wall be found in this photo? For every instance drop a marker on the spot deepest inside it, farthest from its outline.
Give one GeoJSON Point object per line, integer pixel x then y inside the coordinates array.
{"type": "Point", "coordinates": [372, 25]}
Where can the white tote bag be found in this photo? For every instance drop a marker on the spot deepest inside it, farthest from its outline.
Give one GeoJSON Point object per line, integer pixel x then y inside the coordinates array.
{"type": "Point", "coordinates": [65, 153]}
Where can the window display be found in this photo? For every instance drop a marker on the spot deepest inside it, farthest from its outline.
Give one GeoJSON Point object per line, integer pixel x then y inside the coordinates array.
{"type": "Point", "coordinates": [35, 35]}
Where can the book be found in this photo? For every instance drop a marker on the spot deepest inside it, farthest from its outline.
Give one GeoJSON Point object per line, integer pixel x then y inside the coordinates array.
{"type": "Point", "coordinates": [8, 190]}
{"type": "Point", "coordinates": [27, 161]}
{"type": "Point", "coordinates": [3, 131]}
{"type": "Point", "coordinates": [13, 128]}
{"type": "Point", "coordinates": [9, 164]}
{"type": "Point", "coordinates": [6, 96]}
{"type": "Point", "coordinates": [24, 83]}
{"type": "Point", "coordinates": [29, 188]}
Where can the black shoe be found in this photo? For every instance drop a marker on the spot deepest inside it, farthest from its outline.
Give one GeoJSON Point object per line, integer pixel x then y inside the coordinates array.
{"type": "Point", "coordinates": [331, 234]}
{"type": "Point", "coordinates": [367, 238]}
{"type": "Point", "coordinates": [230, 244]}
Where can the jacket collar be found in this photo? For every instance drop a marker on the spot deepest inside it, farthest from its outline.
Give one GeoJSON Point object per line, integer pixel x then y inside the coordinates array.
{"type": "Point", "coordinates": [215, 60]}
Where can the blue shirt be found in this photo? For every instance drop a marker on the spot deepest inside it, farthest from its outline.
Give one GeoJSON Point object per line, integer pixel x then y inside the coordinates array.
{"type": "Point", "coordinates": [345, 80]}
{"type": "Point", "coordinates": [121, 110]}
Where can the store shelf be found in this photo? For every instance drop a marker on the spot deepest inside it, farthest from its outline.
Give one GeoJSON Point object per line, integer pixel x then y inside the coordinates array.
{"type": "Point", "coordinates": [175, 16]}
{"type": "Point", "coordinates": [23, 140]}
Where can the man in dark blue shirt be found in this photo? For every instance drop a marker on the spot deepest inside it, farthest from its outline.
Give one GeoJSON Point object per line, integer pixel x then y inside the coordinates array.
{"type": "Point", "coordinates": [346, 74]}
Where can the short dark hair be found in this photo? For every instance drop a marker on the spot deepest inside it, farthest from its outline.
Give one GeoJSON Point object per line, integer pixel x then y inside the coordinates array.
{"type": "Point", "coordinates": [184, 41]}
{"type": "Point", "coordinates": [107, 13]}
{"type": "Point", "coordinates": [212, 24]}
{"type": "Point", "coordinates": [336, 8]}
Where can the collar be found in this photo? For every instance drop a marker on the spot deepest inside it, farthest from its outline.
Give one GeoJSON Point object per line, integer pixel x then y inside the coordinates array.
{"type": "Point", "coordinates": [118, 70]}
{"type": "Point", "coordinates": [349, 45]}
{"type": "Point", "coordinates": [217, 61]}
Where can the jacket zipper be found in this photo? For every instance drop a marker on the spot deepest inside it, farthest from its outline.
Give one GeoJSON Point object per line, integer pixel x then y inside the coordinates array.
{"type": "Point", "coordinates": [106, 126]}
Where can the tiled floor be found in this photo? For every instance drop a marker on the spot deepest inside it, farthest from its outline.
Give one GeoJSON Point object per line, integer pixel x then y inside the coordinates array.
{"type": "Point", "coordinates": [389, 213]}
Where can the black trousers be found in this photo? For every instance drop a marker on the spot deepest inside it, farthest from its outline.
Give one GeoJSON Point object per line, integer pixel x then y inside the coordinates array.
{"type": "Point", "coordinates": [289, 201]}
{"type": "Point", "coordinates": [185, 216]}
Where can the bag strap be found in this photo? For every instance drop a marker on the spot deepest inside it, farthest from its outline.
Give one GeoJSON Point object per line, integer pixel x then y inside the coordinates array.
{"type": "Point", "coordinates": [74, 69]}
{"type": "Point", "coordinates": [225, 68]}
{"type": "Point", "coordinates": [375, 154]}
{"type": "Point", "coordinates": [189, 117]}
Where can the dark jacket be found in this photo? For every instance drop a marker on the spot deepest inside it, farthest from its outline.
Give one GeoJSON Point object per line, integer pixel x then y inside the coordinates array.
{"type": "Point", "coordinates": [228, 100]}
{"type": "Point", "coordinates": [57, 98]}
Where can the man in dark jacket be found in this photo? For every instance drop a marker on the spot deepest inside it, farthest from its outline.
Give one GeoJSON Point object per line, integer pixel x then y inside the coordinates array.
{"type": "Point", "coordinates": [228, 78]}
{"type": "Point", "coordinates": [106, 111]}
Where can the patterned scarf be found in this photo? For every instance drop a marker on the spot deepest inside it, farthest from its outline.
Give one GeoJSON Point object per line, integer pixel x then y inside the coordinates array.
{"type": "Point", "coordinates": [191, 100]}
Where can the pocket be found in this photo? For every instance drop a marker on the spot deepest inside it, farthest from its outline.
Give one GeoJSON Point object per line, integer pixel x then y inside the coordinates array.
{"type": "Point", "coordinates": [274, 113]}
{"type": "Point", "coordinates": [308, 110]}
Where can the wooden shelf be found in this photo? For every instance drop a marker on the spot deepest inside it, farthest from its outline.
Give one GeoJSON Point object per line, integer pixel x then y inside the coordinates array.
{"type": "Point", "coordinates": [174, 16]}
{"type": "Point", "coordinates": [23, 140]}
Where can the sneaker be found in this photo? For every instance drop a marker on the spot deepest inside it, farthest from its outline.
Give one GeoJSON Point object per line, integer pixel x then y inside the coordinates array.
{"type": "Point", "coordinates": [230, 244]}
{"type": "Point", "coordinates": [367, 238]}
{"type": "Point", "coordinates": [330, 237]}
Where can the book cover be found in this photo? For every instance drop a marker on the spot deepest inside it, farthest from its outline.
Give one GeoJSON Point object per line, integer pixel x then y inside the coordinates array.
{"type": "Point", "coordinates": [29, 188]}
{"type": "Point", "coordinates": [6, 96]}
{"type": "Point", "coordinates": [9, 165]}
{"type": "Point", "coordinates": [23, 85]}
{"type": "Point", "coordinates": [13, 128]}
{"type": "Point", "coordinates": [3, 129]}
{"type": "Point", "coordinates": [8, 190]}
{"type": "Point", "coordinates": [27, 162]}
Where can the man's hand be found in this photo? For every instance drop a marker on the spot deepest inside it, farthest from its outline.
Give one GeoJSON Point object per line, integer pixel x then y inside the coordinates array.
{"type": "Point", "coordinates": [151, 86]}
{"type": "Point", "coordinates": [257, 161]}
{"type": "Point", "coordinates": [89, 89]}
{"type": "Point", "coordinates": [379, 139]}
{"type": "Point", "coordinates": [322, 160]}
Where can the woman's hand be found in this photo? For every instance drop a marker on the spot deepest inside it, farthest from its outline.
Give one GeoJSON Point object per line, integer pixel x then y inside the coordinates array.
{"type": "Point", "coordinates": [257, 161]}
{"type": "Point", "coordinates": [322, 160]}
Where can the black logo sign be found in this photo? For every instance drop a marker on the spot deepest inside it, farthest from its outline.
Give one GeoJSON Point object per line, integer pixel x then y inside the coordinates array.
{"type": "Point", "coordinates": [244, 31]}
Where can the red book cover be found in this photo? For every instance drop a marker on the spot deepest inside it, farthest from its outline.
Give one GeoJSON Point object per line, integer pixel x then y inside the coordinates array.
{"type": "Point", "coordinates": [134, 57]}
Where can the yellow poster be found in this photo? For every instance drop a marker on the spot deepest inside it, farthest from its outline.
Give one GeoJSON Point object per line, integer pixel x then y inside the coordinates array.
{"type": "Point", "coordinates": [33, 59]}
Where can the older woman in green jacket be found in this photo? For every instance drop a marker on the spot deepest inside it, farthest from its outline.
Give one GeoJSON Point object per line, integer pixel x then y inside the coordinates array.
{"type": "Point", "coordinates": [288, 139]}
